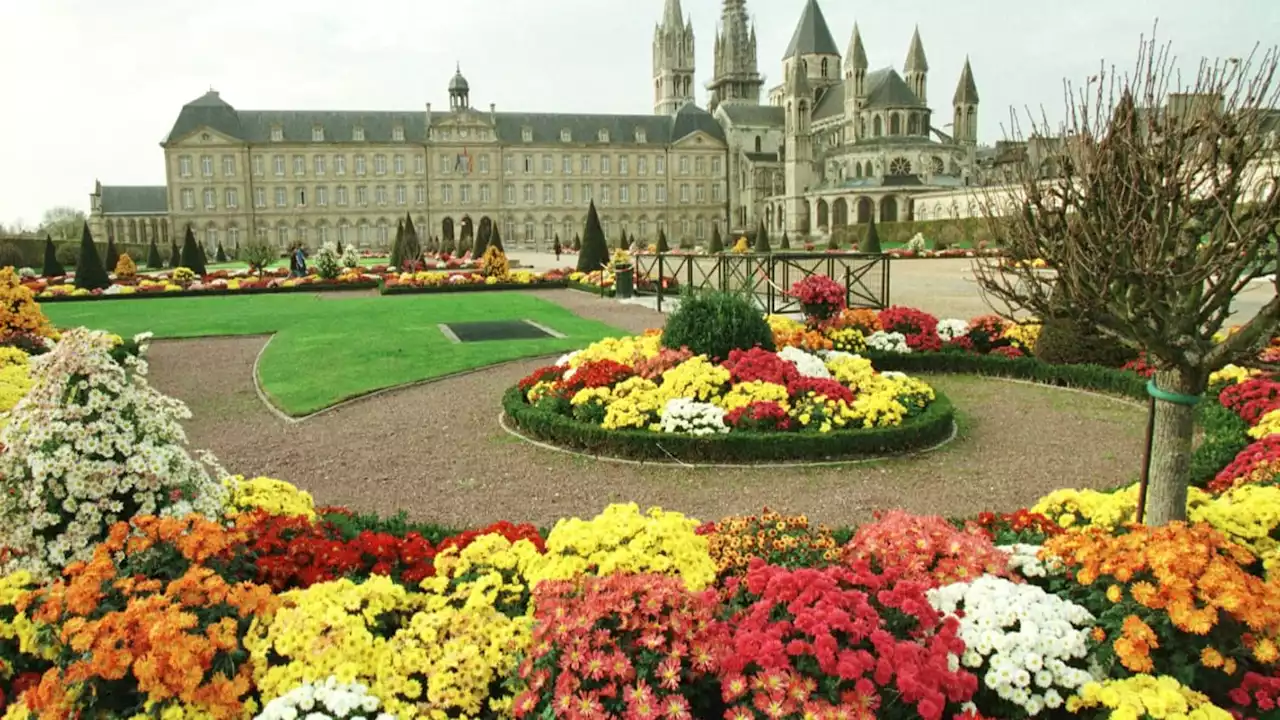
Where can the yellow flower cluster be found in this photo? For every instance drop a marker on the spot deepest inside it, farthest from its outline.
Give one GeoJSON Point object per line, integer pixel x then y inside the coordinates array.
{"type": "Point", "coordinates": [183, 276]}
{"type": "Point", "coordinates": [1023, 335]}
{"type": "Point", "coordinates": [15, 380]}
{"type": "Point", "coordinates": [853, 371]}
{"type": "Point", "coordinates": [632, 403]}
{"type": "Point", "coordinates": [697, 378]}
{"type": "Point", "coordinates": [783, 325]}
{"type": "Point", "coordinates": [19, 311]}
{"type": "Point", "coordinates": [1247, 514]}
{"type": "Point", "coordinates": [1232, 374]}
{"type": "Point", "coordinates": [494, 264]}
{"type": "Point", "coordinates": [276, 497]}
{"type": "Point", "coordinates": [830, 413]}
{"type": "Point", "coordinates": [1079, 509]}
{"type": "Point", "coordinates": [434, 654]}
{"type": "Point", "coordinates": [621, 539]}
{"type": "Point", "coordinates": [847, 339]}
{"type": "Point", "coordinates": [1268, 424]}
{"type": "Point", "coordinates": [743, 394]}
{"type": "Point", "coordinates": [624, 350]}
{"type": "Point", "coordinates": [19, 634]}
{"type": "Point", "coordinates": [491, 570]}
{"type": "Point", "coordinates": [1146, 696]}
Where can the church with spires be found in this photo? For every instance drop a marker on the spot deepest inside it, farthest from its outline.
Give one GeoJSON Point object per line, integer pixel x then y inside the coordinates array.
{"type": "Point", "coordinates": [837, 142]}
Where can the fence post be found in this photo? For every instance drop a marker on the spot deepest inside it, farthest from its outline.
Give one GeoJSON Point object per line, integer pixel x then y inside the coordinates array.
{"type": "Point", "coordinates": [660, 283]}
{"type": "Point", "coordinates": [884, 286]}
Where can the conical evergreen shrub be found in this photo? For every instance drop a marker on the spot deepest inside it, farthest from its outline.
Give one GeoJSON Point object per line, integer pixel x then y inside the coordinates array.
{"type": "Point", "coordinates": [154, 261]}
{"type": "Point", "coordinates": [175, 255]}
{"type": "Point", "coordinates": [483, 237]}
{"type": "Point", "coordinates": [192, 257]}
{"type": "Point", "coordinates": [663, 247]}
{"type": "Point", "coordinates": [396, 261]}
{"type": "Point", "coordinates": [577, 243]}
{"type": "Point", "coordinates": [786, 242]}
{"type": "Point", "coordinates": [871, 243]}
{"type": "Point", "coordinates": [220, 255]}
{"type": "Point", "coordinates": [717, 242]}
{"type": "Point", "coordinates": [90, 274]}
{"type": "Point", "coordinates": [495, 240]}
{"type": "Point", "coordinates": [762, 239]}
{"type": "Point", "coordinates": [113, 255]}
{"type": "Point", "coordinates": [52, 268]}
{"type": "Point", "coordinates": [412, 244]}
{"type": "Point", "coordinates": [594, 253]}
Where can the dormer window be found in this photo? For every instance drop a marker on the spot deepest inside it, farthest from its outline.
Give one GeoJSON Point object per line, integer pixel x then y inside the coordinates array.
{"type": "Point", "coordinates": [357, 134]}
{"type": "Point", "coordinates": [277, 134]}
{"type": "Point", "coordinates": [526, 134]}
{"type": "Point", "coordinates": [640, 135]}
{"type": "Point", "coordinates": [397, 134]}
{"type": "Point", "coordinates": [604, 135]}
{"type": "Point", "coordinates": [317, 134]}
{"type": "Point", "coordinates": [566, 136]}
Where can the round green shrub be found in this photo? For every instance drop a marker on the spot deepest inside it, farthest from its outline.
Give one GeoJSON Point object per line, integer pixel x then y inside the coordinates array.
{"type": "Point", "coordinates": [68, 253]}
{"type": "Point", "coordinates": [1065, 341]}
{"type": "Point", "coordinates": [716, 323]}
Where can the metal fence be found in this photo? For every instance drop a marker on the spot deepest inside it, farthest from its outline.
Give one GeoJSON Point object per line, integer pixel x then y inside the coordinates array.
{"type": "Point", "coordinates": [767, 276]}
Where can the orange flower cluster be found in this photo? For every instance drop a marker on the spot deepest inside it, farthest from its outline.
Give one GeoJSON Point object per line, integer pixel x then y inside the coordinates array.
{"type": "Point", "coordinates": [1188, 575]}
{"type": "Point", "coordinates": [143, 637]}
{"type": "Point", "coordinates": [863, 319]}
{"type": "Point", "coordinates": [785, 540]}
{"type": "Point", "coordinates": [805, 339]}
{"type": "Point", "coordinates": [19, 311]}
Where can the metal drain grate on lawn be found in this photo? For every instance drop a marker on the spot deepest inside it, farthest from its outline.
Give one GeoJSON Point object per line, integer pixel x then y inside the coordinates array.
{"type": "Point", "coordinates": [498, 330]}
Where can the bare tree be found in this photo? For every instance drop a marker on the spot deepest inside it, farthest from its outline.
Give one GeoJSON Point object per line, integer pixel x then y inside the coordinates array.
{"type": "Point", "coordinates": [1164, 208]}
{"type": "Point", "coordinates": [62, 222]}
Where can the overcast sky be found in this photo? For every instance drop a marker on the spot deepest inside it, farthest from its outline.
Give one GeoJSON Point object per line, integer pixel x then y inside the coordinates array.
{"type": "Point", "coordinates": [88, 88]}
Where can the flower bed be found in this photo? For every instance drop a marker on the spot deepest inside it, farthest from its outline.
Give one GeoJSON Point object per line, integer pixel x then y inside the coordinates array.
{"type": "Point", "coordinates": [428, 282]}
{"type": "Point", "coordinates": [218, 283]}
{"type": "Point", "coordinates": [629, 397]}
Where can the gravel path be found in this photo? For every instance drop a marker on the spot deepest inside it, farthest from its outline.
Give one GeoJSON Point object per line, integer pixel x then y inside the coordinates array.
{"type": "Point", "coordinates": [436, 450]}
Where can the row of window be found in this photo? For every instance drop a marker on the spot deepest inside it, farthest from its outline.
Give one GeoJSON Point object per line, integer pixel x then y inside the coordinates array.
{"type": "Point", "coordinates": [446, 164]}
{"type": "Point", "coordinates": [397, 134]}
{"type": "Point", "coordinates": [383, 195]}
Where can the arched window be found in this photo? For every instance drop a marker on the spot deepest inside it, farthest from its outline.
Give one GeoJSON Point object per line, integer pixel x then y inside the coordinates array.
{"type": "Point", "coordinates": [895, 124]}
{"type": "Point", "coordinates": [877, 126]}
{"type": "Point", "coordinates": [758, 145]}
{"type": "Point", "coordinates": [824, 67]}
{"type": "Point", "coordinates": [913, 124]}
{"type": "Point", "coordinates": [857, 170]}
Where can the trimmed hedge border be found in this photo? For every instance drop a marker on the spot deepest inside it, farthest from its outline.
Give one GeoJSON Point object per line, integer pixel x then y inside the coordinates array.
{"type": "Point", "coordinates": [593, 289]}
{"type": "Point", "coordinates": [928, 429]}
{"type": "Point", "coordinates": [310, 287]}
{"type": "Point", "coordinates": [1086, 377]}
{"type": "Point", "coordinates": [472, 287]}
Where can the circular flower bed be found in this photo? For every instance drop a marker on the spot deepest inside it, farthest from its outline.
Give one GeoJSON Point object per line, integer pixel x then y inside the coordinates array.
{"type": "Point", "coordinates": [630, 397]}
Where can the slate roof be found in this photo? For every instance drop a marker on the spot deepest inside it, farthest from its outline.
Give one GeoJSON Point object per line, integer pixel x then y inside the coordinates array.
{"type": "Point", "coordinates": [831, 103]}
{"type": "Point", "coordinates": [915, 54]}
{"type": "Point", "coordinates": [886, 88]}
{"type": "Point", "coordinates": [134, 199]}
{"type": "Point", "coordinates": [966, 89]}
{"type": "Point", "coordinates": [762, 156]}
{"type": "Point", "coordinates": [762, 115]}
{"type": "Point", "coordinates": [255, 126]}
{"type": "Point", "coordinates": [812, 36]}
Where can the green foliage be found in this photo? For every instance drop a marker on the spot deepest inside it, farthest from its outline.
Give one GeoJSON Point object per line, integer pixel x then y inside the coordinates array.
{"type": "Point", "coordinates": [396, 261]}
{"type": "Point", "coordinates": [870, 243]}
{"type": "Point", "coordinates": [833, 243]}
{"type": "Point", "coordinates": [555, 244]}
{"type": "Point", "coordinates": [68, 253]}
{"type": "Point", "coordinates": [1066, 341]}
{"type": "Point", "coordinates": [90, 274]}
{"type": "Point", "coordinates": [412, 247]}
{"type": "Point", "coordinates": [259, 254]}
{"type": "Point", "coordinates": [663, 247]}
{"type": "Point", "coordinates": [192, 256]}
{"type": "Point", "coordinates": [1225, 435]}
{"type": "Point", "coordinates": [717, 242]}
{"type": "Point", "coordinates": [715, 322]}
{"type": "Point", "coordinates": [11, 256]}
{"type": "Point", "coordinates": [786, 242]}
{"type": "Point", "coordinates": [220, 255]}
{"type": "Point", "coordinates": [154, 261]}
{"type": "Point", "coordinates": [175, 256]}
{"type": "Point", "coordinates": [762, 239]}
{"type": "Point", "coordinates": [52, 265]}
{"type": "Point", "coordinates": [495, 240]}
{"type": "Point", "coordinates": [594, 252]}
{"type": "Point", "coordinates": [577, 242]}
{"type": "Point", "coordinates": [113, 255]}
{"type": "Point", "coordinates": [484, 236]}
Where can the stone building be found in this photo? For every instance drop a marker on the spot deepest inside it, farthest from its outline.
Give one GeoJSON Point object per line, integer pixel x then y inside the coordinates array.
{"type": "Point", "coordinates": [837, 142]}
{"type": "Point", "coordinates": [129, 213]}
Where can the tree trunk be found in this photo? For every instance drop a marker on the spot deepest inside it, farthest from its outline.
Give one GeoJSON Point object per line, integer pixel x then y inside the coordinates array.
{"type": "Point", "coordinates": [1171, 450]}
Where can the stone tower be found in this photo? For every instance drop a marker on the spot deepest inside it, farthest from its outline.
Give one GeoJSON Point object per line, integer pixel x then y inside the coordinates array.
{"type": "Point", "coordinates": [813, 48]}
{"type": "Point", "coordinates": [965, 102]}
{"type": "Point", "coordinates": [855, 84]}
{"type": "Point", "coordinates": [672, 60]}
{"type": "Point", "coordinates": [737, 77]}
{"type": "Point", "coordinates": [459, 91]}
{"type": "Point", "coordinates": [798, 163]}
{"type": "Point", "coordinates": [916, 70]}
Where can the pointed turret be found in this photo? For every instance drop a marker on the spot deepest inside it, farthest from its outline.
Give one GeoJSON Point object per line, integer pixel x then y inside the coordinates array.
{"type": "Point", "coordinates": [965, 103]}
{"type": "Point", "coordinates": [812, 36]}
{"type": "Point", "coordinates": [673, 60]}
{"type": "Point", "coordinates": [966, 89]}
{"type": "Point", "coordinates": [798, 80]}
{"type": "Point", "coordinates": [855, 84]}
{"type": "Point", "coordinates": [672, 14]}
{"type": "Point", "coordinates": [736, 79]}
{"type": "Point", "coordinates": [856, 57]}
{"type": "Point", "coordinates": [915, 54]}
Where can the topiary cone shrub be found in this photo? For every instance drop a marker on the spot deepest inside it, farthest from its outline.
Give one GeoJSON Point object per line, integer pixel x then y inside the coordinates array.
{"type": "Point", "coordinates": [871, 243]}
{"type": "Point", "coordinates": [663, 247]}
{"type": "Point", "coordinates": [577, 243]}
{"type": "Point", "coordinates": [90, 274]}
{"type": "Point", "coordinates": [495, 240]}
{"type": "Point", "coordinates": [52, 266]}
{"type": "Point", "coordinates": [595, 253]}
{"type": "Point", "coordinates": [786, 242]}
{"type": "Point", "coordinates": [154, 261]}
{"type": "Point", "coordinates": [192, 257]}
{"type": "Point", "coordinates": [717, 243]}
{"type": "Point", "coordinates": [220, 255]}
{"type": "Point", "coordinates": [762, 239]}
{"type": "Point", "coordinates": [113, 256]}
{"type": "Point", "coordinates": [175, 256]}
{"type": "Point", "coordinates": [715, 323]}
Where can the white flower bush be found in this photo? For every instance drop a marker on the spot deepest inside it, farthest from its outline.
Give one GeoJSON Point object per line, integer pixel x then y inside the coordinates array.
{"type": "Point", "coordinates": [684, 415]}
{"type": "Point", "coordinates": [1026, 645]}
{"type": "Point", "coordinates": [808, 365]}
{"type": "Point", "coordinates": [952, 328]}
{"type": "Point", "coordinates": [350, 257]}
{"type": "Point", "coordinates": [916, 243]}
{"type": "Point", "coordinates": [324, 701]}
{"type": "Point", "coordinates": [1025, 560]}
{"type": "Point", "coordinates": [328, 261]}
{"type": "Point", "coordinates": [91, 444]}
{"type": "Point", "coordinates": [888, 342]}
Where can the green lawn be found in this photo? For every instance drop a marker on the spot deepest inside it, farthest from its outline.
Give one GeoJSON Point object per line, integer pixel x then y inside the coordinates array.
{"type": "Point", "coordinates": [327, 350]}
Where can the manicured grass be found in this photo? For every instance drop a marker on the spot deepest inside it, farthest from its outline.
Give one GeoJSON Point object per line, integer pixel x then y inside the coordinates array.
{"type": "Point", "coordinates": [328, 350]}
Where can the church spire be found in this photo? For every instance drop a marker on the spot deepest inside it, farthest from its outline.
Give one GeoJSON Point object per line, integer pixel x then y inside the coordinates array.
{"type": "Point", "coordinates": [916, 61]}
{"type": "Point", "coordinates": [673, 60]}
{"type": "Point", "coordinates": [737, 78]}
{"type": "Point", "coordinates": [856, 57]}
{"type": "Point", "coordinates": [672, 15]}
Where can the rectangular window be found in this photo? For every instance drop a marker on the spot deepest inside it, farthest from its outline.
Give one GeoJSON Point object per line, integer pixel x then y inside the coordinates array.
{"type": "Point", "coordinates": [526, 134]}
{"type": "Point", "coordinates": [282, 197]}
{"type": "Point", "coordinates": [282, 236]}
{"type": "Point", "coordinates": [319, 165]}
{"type": "Point", "coordinates": [528, 194]}
{"type": "Point", "coordinates": [506, 164]}
{"type": "Point", "coordinates": [184, 166]}
{"type": "Point", "coordinates": [211, 237]}
{"type": "Point", "coordinates": [188, 199]}
{"type": "Point", "coordinates": [362, 196]}
{"type": "Point", "coordinates": [419, 165]}
{"type": "Point", "coordinates": [566, 165]}
{"type": "Point", "coordinates": [233, 198]}
{"type": "Point", "coordinates": [684, 227]}
{"type": "Point", "coordinates": [643, 227]}
{"type": "Point", "coordinates": [277, 134]}
{"type": "Point", "coordinates": [302, 198]}
{"type": "Point", "coordinates": [341, 196]}
{"type": "Point", "coordinates": [585, 162]}
{"type": "Point", "coordinates": [420, 195]}
{"type": "Point", "coordinates": [357, 134]}
{"type": "Point", "coordinates": [700, 166]}
{"type": "Point", "coordinates": [446, 194]}
{"type": "Point", "coordinates": [210, 199]}
{"type": "Point", "coordinates": [317, 134]}
{"type": "Point", "coordinates": [528, 164]}
{"type": "Point", "coordinates": [716, 165]}
{"type": "Point", "coordinates": [604, 165]}
{"type": "Point", "coordinates": [642, 165]}
{"type": "Point", "coordinates": [322, 234]}
{"type": "Point", "coordinates": [624, 194]}
{"type": "Point", "coordinates": [700, 194]}
{"type": "Point", "coordinates": [486, 196]}
{"type": "Point", "coordinates": [299, 165]}
{"type": "Point", "coordinates": [548, 194]}
{"type": "Point", "coordinates": [228, 165]}
{"type": "Point", "coordinates": [402, 196]}
{"type": "Point", "coordinates": [624, 166]}
{"type": "Point", "coordinates": [684, 192]}
{"type": "Point", "coordinates": [464, 194]}
{"type": "Point", "coordinates": [260, 197]}
{"type": "Point", "coordinates": [322, 196]}
{"type": "Point", "coordinates": [644, 194]}
{"type": "Point", "coordinates": [566, 136]}
{"type": "Point", "coordinates": [640, 135]}
{"type": "Point", "coordinates": [586, 193]}
{"type": "Point", "coordinates": [380, 164]}
{"type": "Point", "coordinates": [360, 166]}
{"type": "Point", "coordinates": [257, 165]}
{"type": "Point", "coordinates": [660, 165]}
{"type": "Point", "coordinates": [716, 194]}
{"type": "Point", "coordinates": [528, 231]}
{"type": "Point", "coordinates": [511, 194]}
{"type": "Point", "coordinates": [397, 134]}
{"type": "Point", "coordinates": [399, 164]}
{"type": "Point", "coordinates": [546, 230]}
{"type": "Point", "coordinates": [660, 194]}
{"type": "Point", "coordinates": [278, 161]}
{"type": "Point", "coordinates": [484, 164]}
{"type": "Point", "coordinates": [546, 165]}
{"type": "Point", "coordinates": [566, 194]}
{"type": "Point", "coordinates": [381, 191]}
{"type": "Point", "coordinates": [233, 236]}
{"type": "Point", "coordinates": [684, 165]}
{"type": "Point", "coordinates": [340, 165]}
{"type": "Point", "coordinates": [604, 135]}
{"type": "Point", "coordinates": [605, 194]}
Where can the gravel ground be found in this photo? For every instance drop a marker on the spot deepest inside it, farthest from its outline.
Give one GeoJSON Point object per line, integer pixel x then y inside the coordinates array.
{"type": "Point", "coordinates": [437, 452]}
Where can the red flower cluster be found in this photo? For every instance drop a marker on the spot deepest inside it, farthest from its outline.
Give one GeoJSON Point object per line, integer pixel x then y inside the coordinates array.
{"type": "Point", "coordinates": [1008, 351]}
{"type": "Point", "coordinates": [652, 368]}
{"type": "Point", "coordinates": [548, 373]}
{"type": "Point", "coordinates": [1251, 399]}
{"type": "Point", "coordinates": [1140, 366]}
{"type": "Point", "coordinates": [1258, 462]}
{"type": "Point", "coordinates": [926, 549]}
{"type": "Point", "coordinates": [759, 364]}
{"type": "Point", "coordinates": [598, 373]}
{"type": "Point", "coordinates": [1022, 526]}
{"type": "Point", "coordinates": [820, 291]}
{"type": "Point", "coordinates": [838, 642]}
{"type": "Point", "coordinates": [509, 530]}
{"type": "Point", "coordinates": [820, 386]}
{"type": "Point", "coordinates": [919, 327]}
{"type": "Point", "coordinates": [1255, 697]}
{"type": "Point", "coordinates": [765, 416]}
{"type": "Point", "coordinates": [622, 646]}
{"type": "Point", "coordinates": [986, 331]}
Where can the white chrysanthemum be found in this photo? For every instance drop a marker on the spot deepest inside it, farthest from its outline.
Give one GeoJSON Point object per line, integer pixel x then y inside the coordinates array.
{"type": "Point", "coordinates": [952, 328]}
{"type": "Point", "coordinates": [1027, 646]}
{"type": "Point", "coordinates": [888, 342]}
{"type": "Point", "coordinates": [1025, 560]}
{"type": "Point", "coordinates": [350, 257]}
{"type": "Point", "coordinates": [91, 444]}
{"type": "Point", "coordinates": [688, 416]}
{"type": "Point", "coordinates": [809, 365]}
{"type": "Point", "coordinates": [329, 700]}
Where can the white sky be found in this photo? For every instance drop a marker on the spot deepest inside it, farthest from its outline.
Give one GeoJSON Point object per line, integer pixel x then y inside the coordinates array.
{"type": "Point", "coordinates": [89, 87]}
